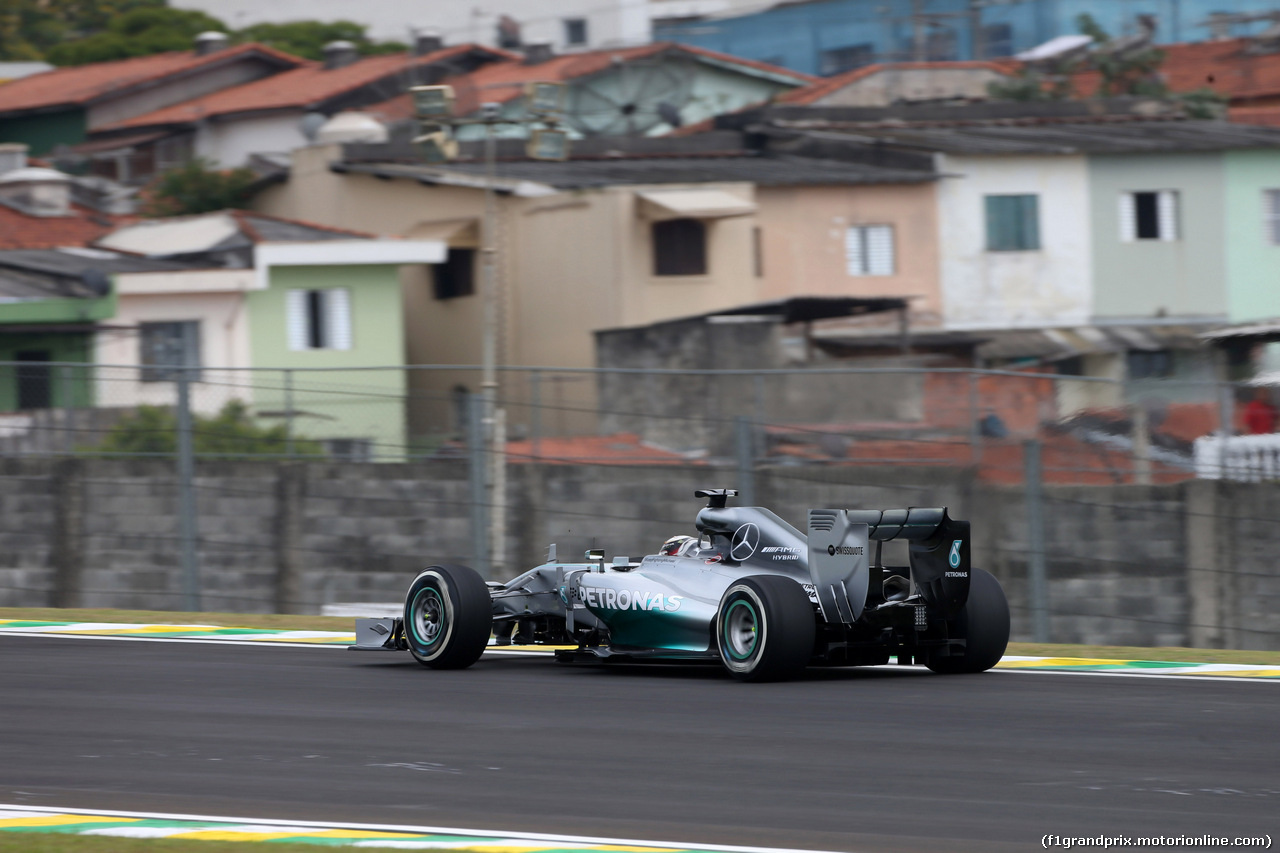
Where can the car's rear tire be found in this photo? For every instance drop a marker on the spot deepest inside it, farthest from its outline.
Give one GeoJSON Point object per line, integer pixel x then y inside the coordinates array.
{"type": "Point", "coordinates": [765, 629]}
{"type": "Point", "coordinates": [983, 622]}
{"type": "Point", "coordinates": [448, 616]}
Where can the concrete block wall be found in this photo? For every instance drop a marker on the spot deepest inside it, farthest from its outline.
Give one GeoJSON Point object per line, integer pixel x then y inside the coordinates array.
{"type": "Point", "coordinates": [1186, 564]}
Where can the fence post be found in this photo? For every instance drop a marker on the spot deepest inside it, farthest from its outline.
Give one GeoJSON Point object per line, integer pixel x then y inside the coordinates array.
{"type": "Point", "coordinates": [288, 413]}
{"type": "Point", "coordinates": [69, 409]}
{"type": "Point", "coordinates": [1226, 424]}
{"type": "Point", "coordinates": [479, 512]}
{"type": "Point", "coordinates": [498, 506]}
{"type": "Point", "coordinates": [975, 424]}
{"type": "Point", "coordinates": [187, 495]}
{"type": "Point", "coordinates": [535, 415]}
{"type": "Point", "coordinates": [762, 444]}
{"type": "Point", "coordinates": [746, 460]}
{"type": "Point", "coordinates": [1037, 573]}
{"type": "Point", "coordinates": [1141, 445]}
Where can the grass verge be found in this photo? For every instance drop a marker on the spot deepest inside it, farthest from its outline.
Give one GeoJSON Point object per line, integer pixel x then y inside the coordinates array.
{"type": "Point", "coordinates": [337, 623]}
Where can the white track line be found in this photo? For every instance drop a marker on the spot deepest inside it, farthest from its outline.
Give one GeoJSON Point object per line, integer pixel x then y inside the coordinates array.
{"type": "Point", "coordinates": [426, 830]}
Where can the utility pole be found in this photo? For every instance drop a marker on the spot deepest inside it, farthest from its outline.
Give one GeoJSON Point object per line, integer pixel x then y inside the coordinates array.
{"type": "Point", "coordinates": [544, 104]}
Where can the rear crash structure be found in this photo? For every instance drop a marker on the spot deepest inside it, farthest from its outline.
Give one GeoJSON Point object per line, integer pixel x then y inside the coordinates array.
{"type": "Point", "coordinates": [751, 592]}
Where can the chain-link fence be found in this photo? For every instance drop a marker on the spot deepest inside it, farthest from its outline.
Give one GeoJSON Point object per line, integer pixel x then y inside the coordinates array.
{"type": "Point", "coordinates": [1112, 512]}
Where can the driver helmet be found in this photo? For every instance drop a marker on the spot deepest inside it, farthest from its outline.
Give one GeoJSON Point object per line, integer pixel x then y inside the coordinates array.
{"type": "Point", "coordinates": [678, 546]}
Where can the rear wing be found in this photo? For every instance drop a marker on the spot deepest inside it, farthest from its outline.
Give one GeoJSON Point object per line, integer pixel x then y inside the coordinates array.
{"type": "Point", "coordinates": [839, 563]}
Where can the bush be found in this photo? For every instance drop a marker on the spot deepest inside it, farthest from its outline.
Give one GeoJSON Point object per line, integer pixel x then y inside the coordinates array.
{"type": "Point", "coordinates": [232, 433]}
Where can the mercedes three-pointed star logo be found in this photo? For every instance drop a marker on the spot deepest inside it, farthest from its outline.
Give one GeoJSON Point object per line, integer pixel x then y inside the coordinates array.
{"type": "Point", "coordinates": [745, 541]}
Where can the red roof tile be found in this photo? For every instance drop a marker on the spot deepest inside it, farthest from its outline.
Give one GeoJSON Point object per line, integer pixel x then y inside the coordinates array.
{"type": "Point", "coordinates": [299, 88]}
{"type": "Point", "coordinates": [84, 84]}
{"type": "Point", "coordinates": [82, 227]}
{"type": "Point", "coordinates": [503, 81]}
{"type": "Point", "coordinates": [1268, 114]}
{"type": "Point", "coordinates": [822, 88]}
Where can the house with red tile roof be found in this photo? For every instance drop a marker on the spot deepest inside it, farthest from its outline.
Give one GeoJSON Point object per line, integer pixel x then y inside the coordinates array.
{"type": "Point", "coordinates": [65, 105]}
{"type": "Point", "coordinates": [230, 125]}
{"type": "Point", "coordinates": [646, 90]}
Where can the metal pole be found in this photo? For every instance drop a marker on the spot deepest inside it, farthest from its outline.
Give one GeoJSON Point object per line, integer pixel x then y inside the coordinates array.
{"type": "Point", "coordinates": [746, 460]}
{"type": "Point", "coordinates": [975, 426]}
{"type": "Point", "coordinates": [1141, 445]}
{"type": "Point", "coordinates": [187, 495]}
{"type": "Point", "coordinates": [498, 507]}
{"type": "Point", "coordinates": [489, 251]}
{"type": "Point", "coordinates": [762, 446]}
{"type": "Point", "coordinates": [1037, 573]}
{"type": "Point", "coordinates": [479, 514]}
{"type": "Point", "coordinates": [288, 413]}
{"type": "Point", "coordinates": [1226, 425]}
{"type": "Point", "coordinates": [535, 415]}
{"type": "Point", "coordinates": [69, 410]}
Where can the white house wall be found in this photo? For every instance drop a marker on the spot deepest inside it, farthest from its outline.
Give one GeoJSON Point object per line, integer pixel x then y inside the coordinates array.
{"type": "Point", "coordinates": [224, 343]}
{"type": "Point", "coordinates": [986, 290]}
{"type": "Point", "coordinates": [231, 143]}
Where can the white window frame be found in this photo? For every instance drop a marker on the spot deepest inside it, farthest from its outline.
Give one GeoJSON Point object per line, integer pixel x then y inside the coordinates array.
{"type": "Point", "coordinates": [335, 311]}
{"type": "Point", "coordinates": [1168, 209]}
{"type": "Point", "coordinates": [870, 250]}
{"type": "Point", "coordinates": [1271, 215]}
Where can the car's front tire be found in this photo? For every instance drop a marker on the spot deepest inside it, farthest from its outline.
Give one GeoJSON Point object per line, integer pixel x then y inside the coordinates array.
{"type": "Point", "coordinates": [983, 622]}
{"type": "Point", "coordinates": [765, 629]}
{"type": "Point", "coordinates": [448, 616]}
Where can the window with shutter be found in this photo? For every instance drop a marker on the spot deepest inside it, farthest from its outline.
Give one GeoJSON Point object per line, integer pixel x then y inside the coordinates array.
{"type": "Point", "coordinates": [1149, 215]}
{"type": "Point", "coordinates": [868, 250]}
{"type": "Point", "coordinates": [1128, 218]}
{"type": "Point", "coordinates": [318, 319]}
{"type": "Point", "coordinates": [1013, 223]}
{"type": "Point", "coordinates": [338, 318]}
{"type": "Point", "coordinates": [1271, 206]}
{"type": "Point", "coordinates": [296, 319]}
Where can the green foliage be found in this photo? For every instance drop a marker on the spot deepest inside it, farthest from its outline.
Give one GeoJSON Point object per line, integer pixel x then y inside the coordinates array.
{"type": "Point", "coordinates": [76, 32]}
{"type": "Point", "coordinates": [1135, 73]}
{"type": "Point", "coordinates": [198, 188]}
{"type": "Point", "coordinates": [232, 433]}
{"type": "Point", "coordinates": [1204, 104]}
{"type": "Point", "coordinates": [139, 32]}
{"type": "Point", "coordinates": [30, 28]}
{"type": "Point", "coordinates": [308, 38]}
{"type": "Point", "coordinates": [1030, 85]}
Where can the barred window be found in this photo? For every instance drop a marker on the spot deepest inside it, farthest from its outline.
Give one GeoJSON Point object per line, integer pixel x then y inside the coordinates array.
{"type": "Point", "coordinates": [166, 346]}
{"type": "Point", "coordinates": [319, 319]}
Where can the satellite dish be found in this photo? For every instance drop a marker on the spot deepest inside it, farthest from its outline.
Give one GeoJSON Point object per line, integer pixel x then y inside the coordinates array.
{"type": "Point", "coordinates": [669, 113]}
{"type": "Point", "coordinates": [310, 125]}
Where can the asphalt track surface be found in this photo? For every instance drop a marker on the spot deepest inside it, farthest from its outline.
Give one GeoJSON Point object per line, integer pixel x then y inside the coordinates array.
{"type": "Point", "coordinates": [897, 760]}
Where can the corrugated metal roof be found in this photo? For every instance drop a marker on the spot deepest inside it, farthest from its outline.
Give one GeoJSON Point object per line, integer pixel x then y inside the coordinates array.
{"type": "Point", "coordinates": [1052, 344]}
{"type": "Point", "coordinates": [621, 171]}
{"type": "Point", "coordinates": [1121, 135]}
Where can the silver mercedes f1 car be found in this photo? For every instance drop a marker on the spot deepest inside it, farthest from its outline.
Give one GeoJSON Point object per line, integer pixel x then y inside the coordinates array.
{"type": "Point", "coordinates": [750, 591]}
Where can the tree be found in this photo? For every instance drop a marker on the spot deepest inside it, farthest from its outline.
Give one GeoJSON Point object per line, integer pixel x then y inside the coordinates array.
{"type": "Point", "coordinates": [139, 32]}
{"type": "Point", "coordinates": [232, 433]}
{"type": "Point", "coordinates": [1124, 72]}
{"type": "Point", "coordinates": [308, 38]}
{"type": "Point", "coordinates": [197, 187]}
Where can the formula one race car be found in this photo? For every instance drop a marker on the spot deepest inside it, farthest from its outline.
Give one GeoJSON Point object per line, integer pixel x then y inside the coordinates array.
{"type": "Point", "coordinates": [751, 591]}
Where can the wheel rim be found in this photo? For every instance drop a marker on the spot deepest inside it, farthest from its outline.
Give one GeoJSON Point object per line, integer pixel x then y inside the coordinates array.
{"type": "Point", "coordinates": [741, 630]}
{"type": "Point", "coordinates": [428, 616]}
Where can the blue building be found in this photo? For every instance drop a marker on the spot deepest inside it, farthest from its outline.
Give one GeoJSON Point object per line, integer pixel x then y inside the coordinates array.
{"type": "Point", "coordinates": [830, 36]}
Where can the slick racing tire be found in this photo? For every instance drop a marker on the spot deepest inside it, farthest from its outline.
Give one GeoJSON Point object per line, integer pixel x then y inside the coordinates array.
{"type": "Point", "coordinates": [448, 616]}
{"type": "Point", "coordinates": [765, 629]}
{"type": "Point", "coordinates": [983, 622]}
